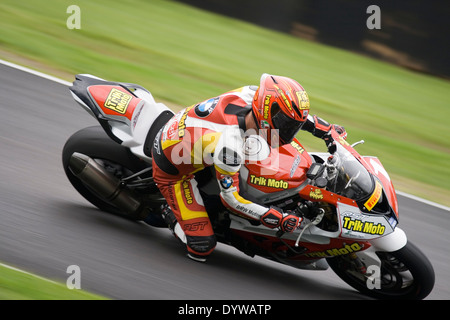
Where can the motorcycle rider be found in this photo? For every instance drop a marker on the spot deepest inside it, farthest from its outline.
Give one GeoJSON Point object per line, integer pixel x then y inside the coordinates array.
{"type": "Point", "coordinates": [212, 133]}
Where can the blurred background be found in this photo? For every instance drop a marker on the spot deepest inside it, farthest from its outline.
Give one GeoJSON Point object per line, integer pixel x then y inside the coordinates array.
{"type": "Point", "coordinates": [413, 34]}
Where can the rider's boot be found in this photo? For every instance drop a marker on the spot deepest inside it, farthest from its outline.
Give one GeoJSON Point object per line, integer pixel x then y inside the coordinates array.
{"type": "Point", "coordinates": [174, 226]}
{"type": "Point", "coordinates": [169, 217]}
{"type": "Point", "coordinates": [172, 223]}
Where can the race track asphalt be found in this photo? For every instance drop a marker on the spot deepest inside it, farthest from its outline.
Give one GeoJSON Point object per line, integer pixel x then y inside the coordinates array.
{"type": "Point", "coordinates": [46, 226]}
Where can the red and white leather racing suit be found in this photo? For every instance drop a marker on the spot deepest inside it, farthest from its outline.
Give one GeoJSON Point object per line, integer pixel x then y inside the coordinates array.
{"type": "Point", "coordinates": [210, 133]}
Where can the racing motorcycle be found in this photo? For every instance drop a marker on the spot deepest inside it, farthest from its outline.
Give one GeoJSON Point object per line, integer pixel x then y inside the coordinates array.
{"type": "Point", "coordinates": [347, 201]}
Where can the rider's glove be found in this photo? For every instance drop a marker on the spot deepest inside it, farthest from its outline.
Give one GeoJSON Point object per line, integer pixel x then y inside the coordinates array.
{"type": "Point", "coordinates": [331, 144]}
{"type": "Point", "coordinates": [274, 219]}
{"type": "Point", "coordinates": [321, 128]}
{"type": "Point", "coordinates": [290, 223]}
{"type": "Point", "coordinates": [340, 130]}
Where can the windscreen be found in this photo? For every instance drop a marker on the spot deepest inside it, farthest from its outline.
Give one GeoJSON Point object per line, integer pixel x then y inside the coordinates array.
{"type": "Point", "coordinates": [347, 176]}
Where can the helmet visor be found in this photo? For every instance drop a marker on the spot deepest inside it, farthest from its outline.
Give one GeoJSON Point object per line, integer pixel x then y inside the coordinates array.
{"type": "Point", "coordinates": [286, 126]}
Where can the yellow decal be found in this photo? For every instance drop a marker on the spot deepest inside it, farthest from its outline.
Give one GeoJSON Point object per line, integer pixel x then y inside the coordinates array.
{"type": "Point", "coordinates": [363, 226]}
{"type": "Point", "coordinates": [266, 106]}
{"type": "Point", "coordinates": [286, 101]}
{"type": "Point", "coordinates": [187, 192]}
{"type": "Point", "coordinates": [117, 101]}
{"type": "Point", "coordinates": [354, 247]}
{"type": "Point", "coordinates": [303, 99]}
{"type": "Point", "coordinates": [297, 147]}
{"type": "Point", "coordinates": [316, 194]}
{"type": "Point", "coordinates": [268, 182]}
{"type": "Point", "coordinates": [374, 197]}
{"type": "Point", "coordinates": [182, 122]}
{"type": "Point", "coordinates": [343, 142]}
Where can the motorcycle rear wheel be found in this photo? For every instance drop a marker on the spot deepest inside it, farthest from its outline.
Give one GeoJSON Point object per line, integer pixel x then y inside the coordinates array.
{"type": "Point", "coordinates": [95, 143]}
{"type": "Point", "coordinates": [404, 274]}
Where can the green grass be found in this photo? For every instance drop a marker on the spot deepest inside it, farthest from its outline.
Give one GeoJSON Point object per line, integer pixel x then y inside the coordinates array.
{"type": "Point", "coordinates": [18, 285]}
{"type": "Point", "coordinates": [185, 55]}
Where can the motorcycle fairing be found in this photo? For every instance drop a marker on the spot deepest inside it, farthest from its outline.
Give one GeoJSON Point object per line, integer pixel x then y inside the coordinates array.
{"type": "Point", "coordinates": [388, 187]}
{"type": "Point", "coordinates": [374, 166]}
{"type": "Point", "coordinates": [125, 111]}
{"type": "Point", "coordinates": [315, 245]}
{"type": "Point", "coordinates": [356, 225]}
{"type": "Point", "coordinates": [81, 93]}
{"type": "Point", "coordinates": [114, 102]}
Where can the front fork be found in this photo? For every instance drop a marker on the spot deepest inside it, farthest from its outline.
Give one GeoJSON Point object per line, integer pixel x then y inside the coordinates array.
{"type": "Point", "coordinates": [368, 259]}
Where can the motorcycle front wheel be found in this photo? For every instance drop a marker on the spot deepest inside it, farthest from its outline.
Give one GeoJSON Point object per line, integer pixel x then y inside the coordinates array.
{"type": "Point", "coordinates": [404, 274]}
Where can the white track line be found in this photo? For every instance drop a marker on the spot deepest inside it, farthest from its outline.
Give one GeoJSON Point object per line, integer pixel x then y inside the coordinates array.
{"type": "Point", "coordinates": [431, 203]}
{"type": "Point", "coordinates": [27, 273]}
{"type": "Point", "coordinates": [36, 73]}
{"type": "Point", "coordinates": [66, 83]}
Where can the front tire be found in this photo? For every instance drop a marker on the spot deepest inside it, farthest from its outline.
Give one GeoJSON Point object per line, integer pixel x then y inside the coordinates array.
{"type": "Point", "coordinates": [404, 274]}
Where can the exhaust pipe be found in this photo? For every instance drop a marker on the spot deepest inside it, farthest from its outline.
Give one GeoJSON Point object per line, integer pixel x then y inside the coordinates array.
{"type": "Point", "coordinates": [106, 185]}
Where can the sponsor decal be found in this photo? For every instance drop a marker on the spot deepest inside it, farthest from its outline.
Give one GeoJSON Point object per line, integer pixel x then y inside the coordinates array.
{"type": "Point", "coordinates": [157, 142]}
{"type": "Point", "coordinates": [285, 100]}
{"type": "Point", "coordinates": [136, 116]}
{"type": "Point", "coordinates": [187, 192]}
{"type": "Point", "coordinates": [271, 220]}
{"type": "Point", "coordinates": [294, 166]}
{"type": "Point", "coordinates": [363, 226]}
{"type": "Point", "coordinates": [205, 108]}
{"type": "Point", "coordinates": [393, 222]}
{"type": "Point", "coordinates": [264, 124]}
{"type": "Point", "coordinates": [172, 129]}
{"type": "Point", "coordinates": [117, 101]}
{"type": "Point", "coordinates": [171, 199]}
{"type": "Point", "coordinates": [182, 122]}
{"type": "Point", "coordinates": [196, 226]}
{"type": "Point", "coordinates": [247, 212]}
{"type": "Point", "coordinates": [268, 182]}
{"type": "Point", "coordinates": [348, 248]}
{"type": "Point", "coordinates": [372, 201]}
{"type": "Point", "coordinates": [316, 194]}
{"type": "Point", "coordinates": [343, 142]}
{"type": "Point", "coordinates": [303, 99]}
{"type": "Point", "coordinates": [297, 147]}
{"type": "Point", "coordinates": [267, 106]}
{"type": "Point", "coordinates": [226, 182]}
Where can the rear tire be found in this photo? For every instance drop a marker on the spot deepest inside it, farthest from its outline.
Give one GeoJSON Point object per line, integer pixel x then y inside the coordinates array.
{"type": "Point", "coordinates": [405, 274]}
{"type": "Point", "coordinates": [95, 143]}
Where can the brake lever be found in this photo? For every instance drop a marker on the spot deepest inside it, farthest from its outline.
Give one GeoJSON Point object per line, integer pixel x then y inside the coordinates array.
{"type": "Point", "coordinates": [314, 222]}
